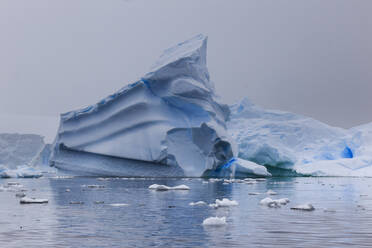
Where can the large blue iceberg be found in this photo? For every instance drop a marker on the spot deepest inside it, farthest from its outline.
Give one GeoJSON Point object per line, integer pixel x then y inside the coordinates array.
{"type": "Point", "coordinates": [169, 123]}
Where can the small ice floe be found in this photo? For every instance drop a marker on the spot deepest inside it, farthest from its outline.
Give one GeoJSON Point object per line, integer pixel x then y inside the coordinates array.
{"type": "Point", "coordinates": [214, 221]}
{"type": "Point", "coordinates": [76, 202]}
{"type": "Point", "coordinates": [304, 207]}
{"type": "Point", "coordinates": [274, 203]}
{"type": "Point", "coordinates": [67, 190]}
{"type": "Point", "coordinates": [20, 194]}
{"type": "Point", "coordinates": [198, 203]}
{"type": "Point", "coordinates": [28, 200]}
{"type": "Point", "coordinates": [99, 202]}
{"type": "Point", "coordinates": [205, 182]}
{"type": "Point", "coordinates": [119, 205]}
{"type": "Point", "coordinates": [103, 178]}
{"type": "Point", "coordinates": [212, 180]}
{"type": "Point", "coordinates": [271, 192]}
{"type": "Point", "coordinates": [253, 193]}
{"type": "Point", "coordinates": [158, 187]}
{"type": "Point", "coordinates": [260, 179]}
{"type": "Point", "coordinates": [224, 203]}
{"type": "Point", "coordinates": [249, 181]}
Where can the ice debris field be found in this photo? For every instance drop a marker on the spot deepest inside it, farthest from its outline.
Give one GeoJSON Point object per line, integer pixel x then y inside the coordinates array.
{"type": "Point", "coordinates": [171, 123]}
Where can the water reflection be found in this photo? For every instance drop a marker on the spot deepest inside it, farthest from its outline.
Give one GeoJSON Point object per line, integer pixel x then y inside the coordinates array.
{"type": "Point", "coordinates": [343, 214]}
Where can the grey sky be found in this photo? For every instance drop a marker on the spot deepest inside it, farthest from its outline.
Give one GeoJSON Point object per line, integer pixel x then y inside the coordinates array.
{"type": "Point", "coordinates": [312, 57]}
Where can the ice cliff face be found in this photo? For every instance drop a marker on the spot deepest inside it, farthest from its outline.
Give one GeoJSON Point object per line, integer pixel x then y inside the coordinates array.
{"type": "Point", "coordinates": [169, 123]}
{"type": "Point", "coordinates": [288, 143]}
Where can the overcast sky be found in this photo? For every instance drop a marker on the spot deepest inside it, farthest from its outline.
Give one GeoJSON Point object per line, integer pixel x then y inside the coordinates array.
{"type": "Point", "coordinates": [312, 57]}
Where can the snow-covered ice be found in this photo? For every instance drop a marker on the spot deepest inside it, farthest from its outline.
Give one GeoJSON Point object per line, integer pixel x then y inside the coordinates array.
{"type": "Point", "coordinates": [119, 204]}
{"type": "Point", "coordinates": [198, 203]}
{"type": "Point", "coordinates": [304, 207]}
{"type": "Point", "coordinates": [274, 203]}
{"type": "Point", "coordinates": [215, 221]}
{"type": "Point", "coordinates": [165, 188]}
{"type": "Point", "coordinates": [292, 144]}
{"type": "Point", "coordinates": [224, 203]}
{"type": "Point", "coordinates": [29, 200]}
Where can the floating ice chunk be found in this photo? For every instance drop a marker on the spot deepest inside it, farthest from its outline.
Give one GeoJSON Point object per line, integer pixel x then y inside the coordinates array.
{"type": "Point", "coordinates": [104, 178]}
{"type": "Point", "coordinates": [76, 202]}
{"type": "Point", "coordinates": [226, 203]}
{"type": "Point", "coordinates": [67, 190]}
{"type": "Point", "coordinates": [214, 221]}
{"type": "Point", "coordinates": [157, 186]}
{"type": "Point", "coordinates": [212, 180]}
{"type": "Point", "coordinates": [198, 203]}
{"type": "Point", "coordinates": [283, 201]}
{"type": "Point", "coordinates": [304, 207]}
{"type": "Point", "coordinates": [271, 192]}
{"type": "Point", "coordinates": [165, 188]}
{"type": "Point", "coordinates": [28, 200]}
{"type": "Point", "coordinates": [181, 187]}
{"type": "Point", "coordinates": [119, 204]}
{"type": "Point", "coordinates": [274, 203]}
{"type": "Point", "coordinates": [253, 193]}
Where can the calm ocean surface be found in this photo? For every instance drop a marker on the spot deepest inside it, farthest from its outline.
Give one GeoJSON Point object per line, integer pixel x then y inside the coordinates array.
{"type": "Point", "coordinates": [343, 215]}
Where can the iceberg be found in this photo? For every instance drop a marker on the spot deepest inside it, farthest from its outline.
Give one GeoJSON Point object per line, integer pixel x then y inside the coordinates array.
{"type": "Point", "coordinates": [21, 155]}
{"type": "Point", "coordinates": [19, 149]}
{"type": "Point", "coordinates": [291, 144]}
{"type": "Point", "coordinates": [168, 123]}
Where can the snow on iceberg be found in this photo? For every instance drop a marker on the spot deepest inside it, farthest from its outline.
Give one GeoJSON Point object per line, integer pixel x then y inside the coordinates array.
{"type": "Point", "coordinates": [291, 144]}
{"type": "Point", "coordinates": [169, 123]}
